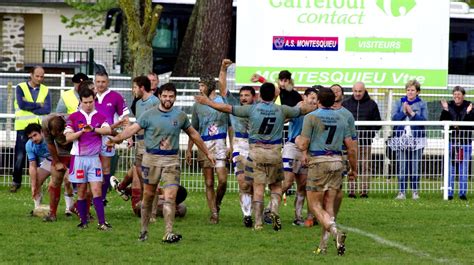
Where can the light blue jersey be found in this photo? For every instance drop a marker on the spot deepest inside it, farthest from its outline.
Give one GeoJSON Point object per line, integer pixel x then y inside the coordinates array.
{"type": "Point", "coordinates": [326, 129]}
{"type": "Point", "coordinates": [162, 130]}
{"type": "Point", "coordinates": [210, 123]}
{"type": "Point", "coordinates": [350, 121]}
{"type": "Point", "coordinates": [144, 105]}
{"type": "Point", "coordinates": [295, 127]}
{"type": "Point", "coordinates": [240, 125]}
{"type": "Point", "coordinates": [266, 120]}
{"type": "Point", "coordinates": [37, 152]}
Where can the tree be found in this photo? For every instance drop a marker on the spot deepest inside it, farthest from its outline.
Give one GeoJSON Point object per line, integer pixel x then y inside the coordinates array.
{"type": "Point", "coordinates": [90, 19]}
{"type": "Point", "coordinates": [142, 20]}
{"type": "Point", "coordinates": [141, 30]}
{"type": "Point", "coordinates": [206, 41]}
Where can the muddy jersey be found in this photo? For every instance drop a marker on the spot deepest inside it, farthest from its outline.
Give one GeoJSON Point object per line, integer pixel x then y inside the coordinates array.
{"type": "Point", "coordinates": [210, 123]}
{"type": "Point", "coordinates": [326, 129]}
{"type": "Point", "coordinates": [162, 130]}
{"type": "Point", "coordinates": [266, 120]}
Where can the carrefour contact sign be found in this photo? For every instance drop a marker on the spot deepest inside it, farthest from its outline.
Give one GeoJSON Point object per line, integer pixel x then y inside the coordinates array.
{"type": "Point", "coordinates": [383, 43]}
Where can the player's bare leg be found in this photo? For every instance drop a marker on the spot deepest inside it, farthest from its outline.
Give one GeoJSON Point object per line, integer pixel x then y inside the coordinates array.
{"type": "Point", "coordinates": [221, 186]}
{"type": "Point", "coordinates": [149, 191]}
{"type": "Point", "coordinates": [275, 197]}
{"type": "Point", "coordinates": [169, 211]}
{"type": "Point", "coordinates": [299, 199]}
{"type": "Point", "coordinates": [208, 173]}
{"type": "Point", "coordinates": [316, 200]}
{"type": "Point", "coordinates": [329, 201]}
{"type": "Point", "coordinates": [258, 200]}
{"type": "Point", "coordinates": [36, 184]}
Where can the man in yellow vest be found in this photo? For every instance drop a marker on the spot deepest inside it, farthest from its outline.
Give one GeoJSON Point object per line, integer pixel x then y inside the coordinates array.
{"type": "Point", "coordinates": [69, 100]}
{"type": "Point", "coordinates": [32, 103]}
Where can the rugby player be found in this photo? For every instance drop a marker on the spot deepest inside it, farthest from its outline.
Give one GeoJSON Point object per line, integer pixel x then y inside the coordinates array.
{"type": "Point", "coordinates": [162, 126]}
{"type": "Point", "coordinates": [264, 165]}
{"type": "Point", "coordinates": [39, 160]}
{"type": "Point", "coordinates": [293, 166]}
{"type": "Point", "coordinates": [212, 125]}
{"type": "Point", "coordinates": [85, 129]}
{"type": "Point", "coordinates": [324, 132]}
{"type": "Point", "coordinates": [239, 141]}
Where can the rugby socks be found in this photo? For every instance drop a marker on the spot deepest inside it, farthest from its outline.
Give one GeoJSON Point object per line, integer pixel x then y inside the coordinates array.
{"type": "Point", "coordinates": [37, 201]}
{"type": "Point", "coordinates": [99, 209]}
{"type": "Point", "coordinates": [146, 212]}
{"type": "Point", "coordinates": [127, 180]}
{"type": "Point", "coordinates": [258, 212]}
{"type": "Point", "coordinates": [299, 202]}
{"type": "Point", "coordinates": [332, 227]}
{"type": "Point", "coordinates": [69, 199]}
{"type": "Point", "coordinates": [246, 203]}
{"type": "Point", "coordinates": [169, 211]}
{"type": "Point", "coordinates": [54, 196]}
{"type": "Point", "coordinates": [82, 209]}
{"type": "Point", "coordinates": [275, 199]}
{"type": "Point", "coordinates": [105, 185]}
{"type": "Point", "coordinates": [136, 196]}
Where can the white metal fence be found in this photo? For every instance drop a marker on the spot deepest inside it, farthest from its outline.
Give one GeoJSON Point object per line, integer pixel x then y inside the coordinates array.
{"type": "Point", "coordinates": [381, 169]}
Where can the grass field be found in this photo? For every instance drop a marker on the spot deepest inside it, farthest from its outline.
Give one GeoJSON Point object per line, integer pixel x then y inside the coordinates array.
{"type": "Point", "coordinates": [380, 231]}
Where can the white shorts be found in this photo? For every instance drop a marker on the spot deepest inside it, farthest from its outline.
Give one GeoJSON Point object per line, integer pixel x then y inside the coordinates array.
{"type": "Point", "coordinates": [240, 154]}
{"type": "Point", "coordinates": [291, 157]}
{"type": "Point", "coordinates": [217, 148]}
{"type": "Point", "coordinates": [105, 150]}
{"type": "Point", "coordinates": [46, 165]}
{"type": "Point", "coordinates": [85, 169]}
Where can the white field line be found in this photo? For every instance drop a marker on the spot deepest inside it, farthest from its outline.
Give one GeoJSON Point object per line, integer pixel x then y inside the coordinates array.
{"type": "Point", "coordinates": [399, 246]}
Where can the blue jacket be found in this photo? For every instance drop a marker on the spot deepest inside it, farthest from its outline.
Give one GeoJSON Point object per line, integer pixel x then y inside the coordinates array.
{"type": "Point", "coordinates": [421, 114]}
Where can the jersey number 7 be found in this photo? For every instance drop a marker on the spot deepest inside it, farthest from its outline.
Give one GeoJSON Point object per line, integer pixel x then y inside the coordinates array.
{"type": "Point", "coordinates": [332, 131]}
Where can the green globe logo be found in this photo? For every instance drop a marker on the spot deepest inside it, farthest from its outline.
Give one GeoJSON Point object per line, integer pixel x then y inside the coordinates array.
{"type": "Point", "coordinates": [396, 8]}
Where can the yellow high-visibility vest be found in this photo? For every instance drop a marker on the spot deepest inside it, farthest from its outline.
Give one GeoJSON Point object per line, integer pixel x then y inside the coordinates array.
{"type": "Point", "coordinates": [70, 100]}
{"type": "Point", "coordinates": [25, 117]}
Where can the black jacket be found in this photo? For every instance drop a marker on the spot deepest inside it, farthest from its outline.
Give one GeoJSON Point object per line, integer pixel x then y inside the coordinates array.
{"type": "Point", "coordinates": [290, 98]}
{"type": "Point", "coordinates": [364, 110]}
{"type": "Point", "coordinates": [460, 134]}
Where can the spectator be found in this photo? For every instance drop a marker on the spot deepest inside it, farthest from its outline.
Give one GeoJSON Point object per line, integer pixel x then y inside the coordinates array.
{"type": "Point", "coordinates": [363, 108]}
{"type": "Point", "coordinates": [155, 82]}
{"type": "Point", "coordinates": [460, 147]}
{"type": "Point", "coordinates": [409, 141]}
{"type": "Point", "coordinates": [69, 100]}
{"type": "Point", "coordinates": [32, 102]}
{"type": "Point", "coordinates": [285, 92]}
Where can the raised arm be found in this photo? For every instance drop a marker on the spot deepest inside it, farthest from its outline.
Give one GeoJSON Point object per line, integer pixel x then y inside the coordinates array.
{"type": "Point", "coordinates": [223, 76]}
{"type": "Point", "coordinates": [218, 106]}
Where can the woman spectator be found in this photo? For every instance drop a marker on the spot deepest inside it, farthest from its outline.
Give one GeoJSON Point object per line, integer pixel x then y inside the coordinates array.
{"type": "Point", "coordinates": [460, 147]}
{"type": "Point", "coordinates": [409, 141]}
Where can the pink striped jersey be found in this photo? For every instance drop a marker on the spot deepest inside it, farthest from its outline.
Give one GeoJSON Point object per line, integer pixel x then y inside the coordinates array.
{"type": "Point", "coordinates": [111, 103]}
{"type": "Point", "coordinates": [89, 144]}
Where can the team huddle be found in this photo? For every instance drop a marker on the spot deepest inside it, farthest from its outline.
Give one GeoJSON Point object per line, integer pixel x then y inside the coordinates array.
{"type": "Point", "coordinates": [321, 137]}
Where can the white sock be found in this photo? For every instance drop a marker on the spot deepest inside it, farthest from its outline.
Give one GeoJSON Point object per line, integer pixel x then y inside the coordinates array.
{"type": "Point", "coordinates": [246, 204]}
{"type": "Point", "coordinates": [69, 199]}
{"type": "Point", "coordinates": [37, 202]}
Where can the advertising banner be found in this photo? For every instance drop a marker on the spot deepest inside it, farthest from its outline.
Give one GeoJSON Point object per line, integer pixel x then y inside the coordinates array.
{"type": "Point", "coordinates": [383, 43]}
